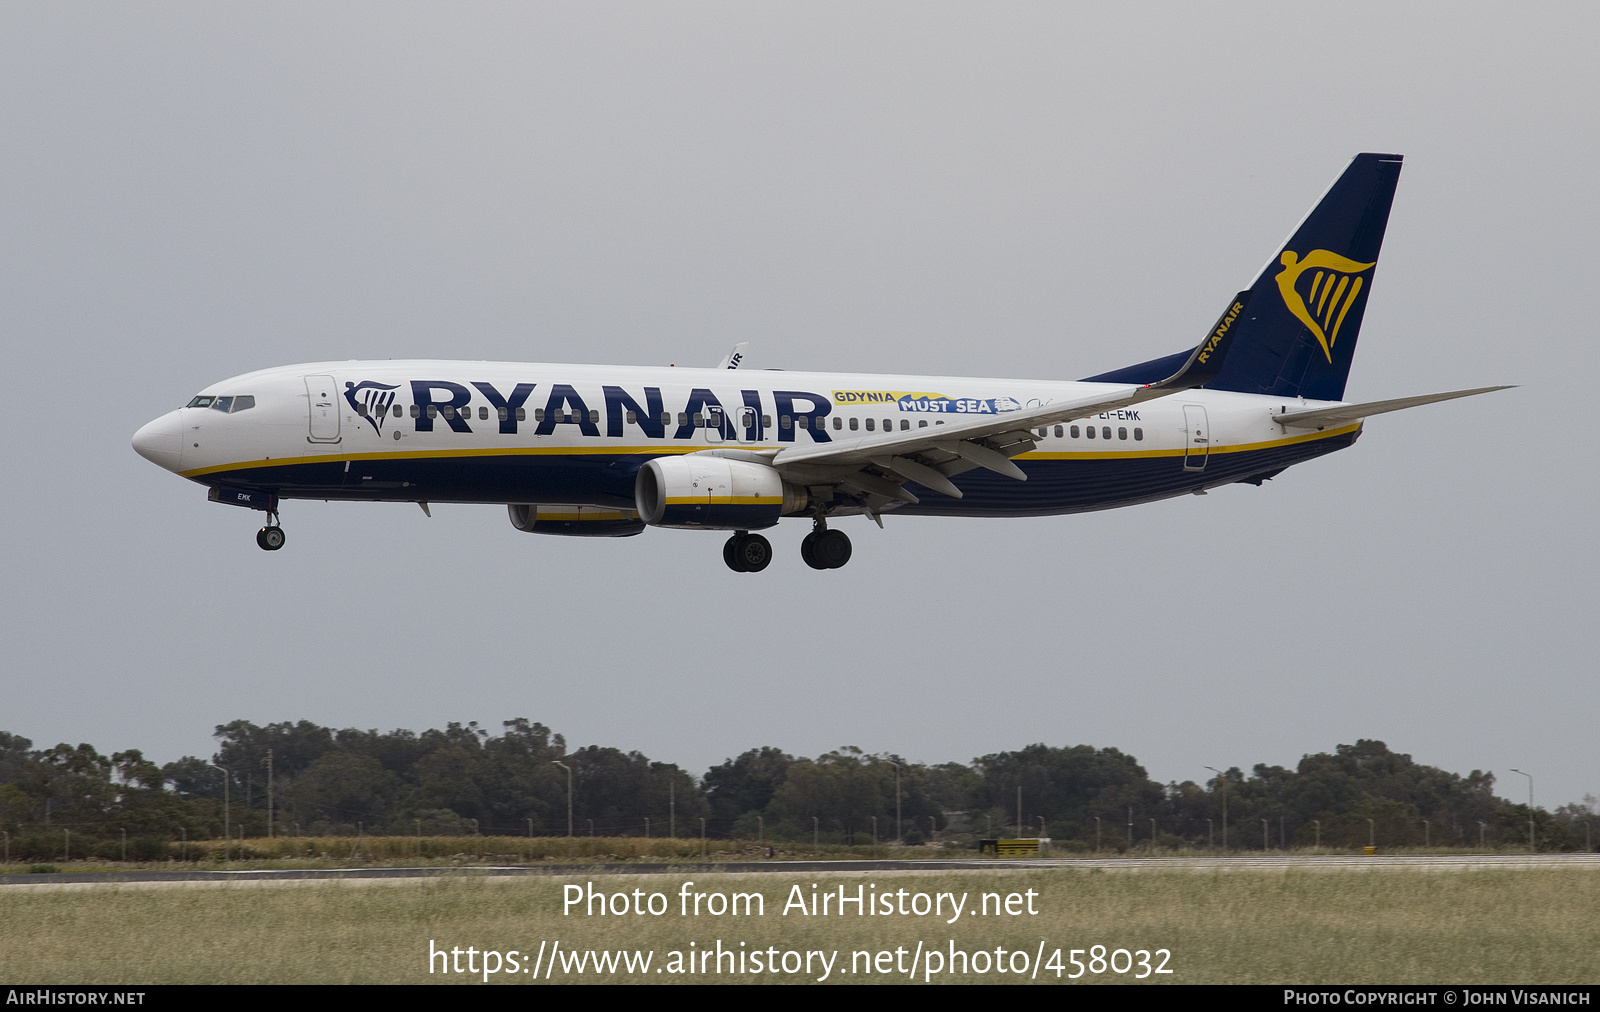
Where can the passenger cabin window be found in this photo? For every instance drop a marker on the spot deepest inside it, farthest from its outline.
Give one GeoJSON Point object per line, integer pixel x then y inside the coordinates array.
{"type": "Point", "coordinates": [666, 418]}
{"type": "Point", "coordinates": [922, 423]}
{"type": "Point", "coordinates": [888, 425]}
{"type": "Point", "coordinates": [766, 421]}
{"type": "Point", "coordinates": [1088, 430]}
{"type": "Point", "coordinates": [415, 411]}
{"type": "Point", "coordinates": [1105, 432]}
{"type": "Point", "coordinates": [1138, 433]}
{"type": "Point", "coordinates": [1122, 433]}
{"type": "Point", "coordinates": [504, 414]}
{"type": "Point", "coordinates": [522, 414]}
{"type": "Point", "coordinates": [855, 423]}
{"type": "Point", "coordinates": [783, 421]}
{"type": "Point", "coordinates": [804, 421]}
{"type": "Point", "coordinates": [433, 411]}
{"type": "Point", "coordinates": [483, 414]}
{"type": "Point", "coordinates": [633, 418]}
{"type": "Point", "coordinates": [538, 414]}
{"type": "Point", "coordinates": [838, 423]}
{"type": "Point", "coordinates": [1073, 432]}
{"type": "Point", "coordinates": [905, 423]}
{"type": "Point", "coordinates": [869, 424]}
{"type": "Point", "coordinates": [1058, 432]}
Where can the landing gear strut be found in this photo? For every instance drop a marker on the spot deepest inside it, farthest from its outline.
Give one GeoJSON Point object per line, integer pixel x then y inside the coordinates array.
{"type": "Point", "coordinates": [270, 537]}
{"type": "Point", "coordinates": [824, 548]}
{"type": "Point", "coordinates": [747, 553]}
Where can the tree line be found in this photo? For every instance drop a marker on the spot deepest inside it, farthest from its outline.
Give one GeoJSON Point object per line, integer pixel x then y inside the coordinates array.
{"type": "Point", "coordinates": [319, 781]}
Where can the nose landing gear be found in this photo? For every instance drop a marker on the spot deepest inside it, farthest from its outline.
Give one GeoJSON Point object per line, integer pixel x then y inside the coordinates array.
{"type": "Point", "coordinates": [824, 548]}
{"type": "Point", "coordinates": [271, 537]}
{"type": "Point", "coordinates": [747, 553]}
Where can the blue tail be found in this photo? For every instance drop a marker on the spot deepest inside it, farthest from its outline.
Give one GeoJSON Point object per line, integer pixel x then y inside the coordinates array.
{"type": "Point", "coordinates": [1303, 315]}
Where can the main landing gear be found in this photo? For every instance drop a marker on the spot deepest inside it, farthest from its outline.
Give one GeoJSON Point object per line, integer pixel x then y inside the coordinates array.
{"type": "Point", "coordinates": [747, 553]}
{"type": "Point", "coordinates": [271, 537]}
{"type": "Point", "coordinates": [824, 548]}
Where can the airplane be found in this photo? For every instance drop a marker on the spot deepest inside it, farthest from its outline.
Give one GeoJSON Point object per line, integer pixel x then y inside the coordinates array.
{"type": "Point", "coordinates": [607, 451]}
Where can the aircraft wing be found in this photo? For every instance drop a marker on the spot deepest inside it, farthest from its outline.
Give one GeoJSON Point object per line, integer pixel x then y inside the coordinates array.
{"type": "Point", "coordinates": [878, 465]}
{"type": "Point", "coordinates": [1320, 418]}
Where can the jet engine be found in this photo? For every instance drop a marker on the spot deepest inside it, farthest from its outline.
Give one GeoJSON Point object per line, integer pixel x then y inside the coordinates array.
{"type": "Point", "coordinates": [575, 521]}
{"type": "Point", "coordinates": [701, 490]}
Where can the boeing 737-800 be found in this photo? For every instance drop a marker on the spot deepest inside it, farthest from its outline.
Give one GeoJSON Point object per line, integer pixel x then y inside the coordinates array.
{"type": "Point", "coordinates": [584, 450]}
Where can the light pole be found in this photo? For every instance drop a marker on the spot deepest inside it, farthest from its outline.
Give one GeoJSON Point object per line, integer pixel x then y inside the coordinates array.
{"type": "Point", "coordinates": [1531, 844]}
{"type": "Point", "coordinates": [1224, 781]}
{"type": "Point", "coordinates": [896, 766]}
{"type": "Point", "coordinates": [1318, 823]}
{"type": "Point", "coordinates": [1482, 843]}
{"type": "Point", "coordinates": [1211, 834]}
{"type": "Point", "coordinates": [1152, 834]}
{"type": "Point", "coordinates": [1097, 834]}
{"type": "Point", "coordinates": [1427, 833]}
{"type": "Point", "coordinates": [761, 830]}
{"type": "Point", "coordinates": [1264, 844]}
{"type": "Point", "coordinates": [814, 832]}
{"type": "Point", "coordinates": [227, 839]}
{"type": "Point", "coordinates": [672, 806]}
{"type": "Point", "coordinates": [1372, 833]}
{"type": "Point", "coordinates": [874, 830]}
{"type": "Point", "coordinates": [564, 766]}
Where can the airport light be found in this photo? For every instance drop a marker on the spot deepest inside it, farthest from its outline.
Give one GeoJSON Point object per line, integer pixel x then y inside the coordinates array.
{"type": "Point", "coordinates": [227, 836]}
{"type": "Point", "coordinates": [1224, 804]}
{"type": "Point", "coordinates": [1531, 844]}
{"type": "Point", "coordinates": [564, 766]}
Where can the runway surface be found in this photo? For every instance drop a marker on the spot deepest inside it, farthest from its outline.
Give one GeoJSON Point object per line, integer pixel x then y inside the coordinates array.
{"type": "Point", "coordinates": [1265, 862]}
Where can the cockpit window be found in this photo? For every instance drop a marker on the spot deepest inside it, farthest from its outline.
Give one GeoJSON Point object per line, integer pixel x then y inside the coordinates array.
{"type": "Point", "coordinates": [243, 402]}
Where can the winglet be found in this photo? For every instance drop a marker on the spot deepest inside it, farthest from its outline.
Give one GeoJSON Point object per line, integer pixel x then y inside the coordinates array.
{"type": "Point", "coordinates": [734, 357]}
{"type": "Point", "coordinates": [1207, 359]}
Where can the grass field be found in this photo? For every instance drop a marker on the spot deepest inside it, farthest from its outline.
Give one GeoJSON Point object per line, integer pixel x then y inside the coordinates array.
{"type": "Point", "coordinates": [1247, 926]}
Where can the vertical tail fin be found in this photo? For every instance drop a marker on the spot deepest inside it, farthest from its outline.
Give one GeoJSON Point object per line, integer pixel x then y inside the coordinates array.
{"type": "Point", "coordinates": [1298, 336]}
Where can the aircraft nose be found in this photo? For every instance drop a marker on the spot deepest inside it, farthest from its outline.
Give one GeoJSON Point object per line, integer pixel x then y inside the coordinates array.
{"type": "Point", "coordinates": [161, 441]}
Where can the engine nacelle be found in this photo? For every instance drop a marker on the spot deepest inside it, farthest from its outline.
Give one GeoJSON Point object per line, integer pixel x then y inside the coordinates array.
{"type": "Point", "coordinates": [575, 521]}
{"type": "Point", "coordinates": [699, 490]}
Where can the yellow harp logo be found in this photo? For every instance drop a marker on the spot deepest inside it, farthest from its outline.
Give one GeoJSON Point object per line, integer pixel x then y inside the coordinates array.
{"type": "Point", "coordinates": [1333, 290]}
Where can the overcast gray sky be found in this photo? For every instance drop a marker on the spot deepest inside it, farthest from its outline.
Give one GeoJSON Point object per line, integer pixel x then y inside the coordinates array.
{"type": "Point", "coordinates": [188, 192]}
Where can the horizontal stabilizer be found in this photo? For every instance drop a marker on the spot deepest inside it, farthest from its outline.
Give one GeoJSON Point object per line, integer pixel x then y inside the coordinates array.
{"type": "Point", "coordinates": [1321, 418]}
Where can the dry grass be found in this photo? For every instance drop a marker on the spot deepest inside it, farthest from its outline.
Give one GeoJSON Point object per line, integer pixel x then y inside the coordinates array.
{"type": "Point", "coordinates": [1299, 926]}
